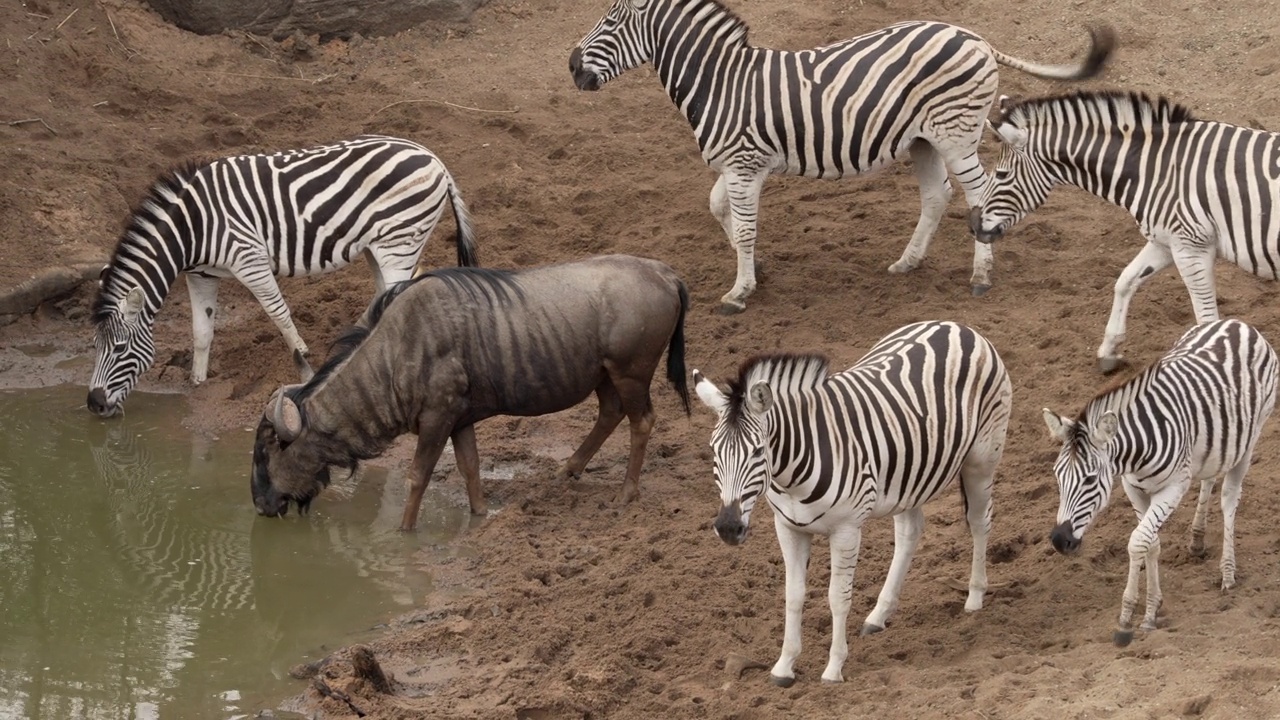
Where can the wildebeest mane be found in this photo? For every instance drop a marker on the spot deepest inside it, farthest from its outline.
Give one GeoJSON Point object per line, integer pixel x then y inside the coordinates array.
{"type": "Point", "coordinates": [158, 200]}
{"type": "Point", "coordinates": [783, 370]}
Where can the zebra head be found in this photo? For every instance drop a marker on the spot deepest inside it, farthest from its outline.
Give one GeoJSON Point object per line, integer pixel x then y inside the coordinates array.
{"type": "Point", "coordinates": [618, 43]}
{"type": "Point", "coordinates": [1085, 471]}
{"type": "Point", "coordinates": [1020, 183]}
{"type": "Point", "coordinates": [123, 349]}
{"type": "Point", "coordinates": [738, 451]}
{"type": "Point", "coordinates": [287, 466]}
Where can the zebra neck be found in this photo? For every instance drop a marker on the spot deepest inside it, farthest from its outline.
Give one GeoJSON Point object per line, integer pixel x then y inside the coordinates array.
{"type": "Point", "coordinates": [697, 54]}
{"type": "Point", "coordinates": [1125, 167]}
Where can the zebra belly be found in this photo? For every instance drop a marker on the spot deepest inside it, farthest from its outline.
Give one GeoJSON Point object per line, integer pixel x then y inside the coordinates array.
{"type": "Point", "coordinates": [818, 518]}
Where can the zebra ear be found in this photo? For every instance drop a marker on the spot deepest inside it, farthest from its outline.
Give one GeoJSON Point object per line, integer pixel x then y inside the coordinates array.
{"type": "Point", "coordinates": [1010, 135]}
{"type": "Point", "coordinates": [759, 397]}
{"type": "Point", "coordinates": [709, 394]}
{"type": "Point", "coordinates": [1106, 428]}
{"type": "Point", "coordinates": [1059, 427]}
{"type": "Point", "coordinates": [133, 303]}
{"type": "Point", "coordinates": [102, 275]}
{"type": "Point", "coordinates": [1004, 102]}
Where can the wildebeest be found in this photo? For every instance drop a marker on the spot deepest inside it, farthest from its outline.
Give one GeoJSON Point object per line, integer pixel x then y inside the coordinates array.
{"type": "Point", "coordinates": [438, 353]}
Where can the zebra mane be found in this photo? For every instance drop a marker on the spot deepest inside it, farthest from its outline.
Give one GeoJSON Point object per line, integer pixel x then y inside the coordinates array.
{"type": "Point", "coordinates": [784, 372]}
{"type": "Point", "coordinates": [136, 239]}
{"type": "Point", "coordinates": [1114, 396]}
{"type": "Point", "coordinates": [737, 27]}
{"type": "Point", "coordinates": [1113, 104]}
{"type": "Point", "coordinates": [480, 285]}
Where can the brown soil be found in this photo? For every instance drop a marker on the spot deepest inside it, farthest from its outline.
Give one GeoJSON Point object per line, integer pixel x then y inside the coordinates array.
{"type": "Point", "coordinates": [574, 607]}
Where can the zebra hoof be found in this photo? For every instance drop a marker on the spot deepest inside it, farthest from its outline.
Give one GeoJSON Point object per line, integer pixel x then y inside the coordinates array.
{"type": "Point", "coordinates": [1109, 365]}
{"type": "Point", "coordinates": [1122, 638]}
{"type": "Point", "coordinates": [782, 682]}
{"type": "Point", "coordinates": [869, 629]}
{"type": "Point", "coordinates": [980, 290]}
{"type": "Point", "coordinates": [728, 307]}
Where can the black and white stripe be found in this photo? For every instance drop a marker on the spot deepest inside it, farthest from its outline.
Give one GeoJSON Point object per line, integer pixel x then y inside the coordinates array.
{"type": "Point", "coordinates": [253, 217]}
{"type": "Point", "coordinates": [1198, 189]}
{"type": "Point", "coordinates": [929, 403]}
{"type": "Point", "coordinates": [1191, 416]}
{"type": "Point", "coordinates": [915, 89]}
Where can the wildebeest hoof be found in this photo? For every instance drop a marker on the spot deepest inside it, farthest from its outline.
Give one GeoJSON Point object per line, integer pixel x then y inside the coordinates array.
{"type": "Point", "coordinates": [1111, 364]}
{"type": "Point", "coordinates": [980, 290]}
{"type": "Point", "coordinates": [731, 307]}
{"type": "Point", "coordinates": [1122, 638]}
{"type": "Point", "coordinates": [782, 682]}
{"type": "Point", "coordinates": [869, 629]}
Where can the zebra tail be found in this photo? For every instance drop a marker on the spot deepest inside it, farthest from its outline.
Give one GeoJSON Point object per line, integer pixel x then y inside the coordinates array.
{"type": "Point", "coordinates": [466, 240]}
{"type": "Point", "coordinates": [675, 352]}
{"type": "Point", "coordinates": [1102, 45]}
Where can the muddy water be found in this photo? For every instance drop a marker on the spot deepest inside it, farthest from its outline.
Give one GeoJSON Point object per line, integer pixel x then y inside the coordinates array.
{"type": "Point", "coordinates": [137, 582]}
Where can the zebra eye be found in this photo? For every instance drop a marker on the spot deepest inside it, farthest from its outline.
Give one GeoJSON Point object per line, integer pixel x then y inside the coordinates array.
{"type": "Point", "coordinates": [1003, 173]}
{"type": "Point", "coordinates": [120, 347]}
{"type": "Point", "coordinates": [757, 453]}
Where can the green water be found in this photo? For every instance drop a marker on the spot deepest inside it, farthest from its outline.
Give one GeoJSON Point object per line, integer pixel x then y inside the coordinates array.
{"type": "Point", "coordinates": [137, 582]}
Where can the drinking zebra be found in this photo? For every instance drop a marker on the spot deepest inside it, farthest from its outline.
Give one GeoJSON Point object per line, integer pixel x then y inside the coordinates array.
{"type": "Point", "coordinates": [1197, 188]}
{"type": "Point", "coordinates": [252, 217]}
{"type": "Point", "coordinates": [928, 403]}
{"type": "Point", "coordinates": [915, 89]}
{"type": "Point", "coordinates": [1192, 415]}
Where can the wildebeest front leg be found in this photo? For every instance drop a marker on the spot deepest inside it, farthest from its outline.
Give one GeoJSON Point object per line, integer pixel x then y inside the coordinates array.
{"type": "Point", "coordinates": [468, 458]}
{"type": "Point", "coordinates": [608, 418]}
{"type": "Point", "coordinates": [430, 445]}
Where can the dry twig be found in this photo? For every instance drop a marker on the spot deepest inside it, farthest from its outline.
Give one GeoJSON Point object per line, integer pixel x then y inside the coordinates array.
{"type": "Point", "coordinates": [65, 19]}
{"type": "Point", "coordinates": [31, 120]}
{"type": "Point", "coordinates": [445, 102]}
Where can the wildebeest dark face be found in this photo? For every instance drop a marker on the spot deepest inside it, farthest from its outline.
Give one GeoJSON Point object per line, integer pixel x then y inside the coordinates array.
{"type": "Point", "coordinates": [285, 468]}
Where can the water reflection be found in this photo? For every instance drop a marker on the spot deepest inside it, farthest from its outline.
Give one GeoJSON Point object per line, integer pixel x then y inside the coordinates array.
{"type": "Point", "coordinates": [136, 581]}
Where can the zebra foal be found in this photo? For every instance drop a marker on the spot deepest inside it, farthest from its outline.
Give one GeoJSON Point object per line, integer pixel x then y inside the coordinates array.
{"type": "Point", "coordinates": [253, 217]}
{"type": "Point", "coordinates": [929, 403]}
{"type": "Point", "coordinates": [1197, 188]}
{"type": "Point", "coordinates": [1192, 415]}
{"type": "Point", "coordinates": [915, 89]}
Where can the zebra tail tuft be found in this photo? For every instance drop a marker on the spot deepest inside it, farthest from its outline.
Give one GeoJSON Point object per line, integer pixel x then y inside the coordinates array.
{"type": "Point", "coordinates": [466, 238]}
{"type": "Point", "coordinates": [1102, 45]}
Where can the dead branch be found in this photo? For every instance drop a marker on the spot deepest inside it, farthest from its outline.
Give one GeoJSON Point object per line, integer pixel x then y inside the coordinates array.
{"type": "Point", "coordinates": [31, 120]}
{"type": "Point", "coordinates": [446, 103]}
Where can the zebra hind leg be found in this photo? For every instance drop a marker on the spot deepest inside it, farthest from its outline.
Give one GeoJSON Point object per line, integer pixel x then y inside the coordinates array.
{"type": "Point", "coordinates": [973, 180]}
{"type": "Point", "coordinates": [908, 526]}
{"type": "Point", "coordinates": [935, 193]}
{"type": "Point", "coordinates": [1230, 499]}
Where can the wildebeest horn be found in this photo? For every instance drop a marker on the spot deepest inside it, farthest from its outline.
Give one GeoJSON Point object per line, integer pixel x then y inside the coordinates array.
{"type": "Point", "coordinates": [285, 416]}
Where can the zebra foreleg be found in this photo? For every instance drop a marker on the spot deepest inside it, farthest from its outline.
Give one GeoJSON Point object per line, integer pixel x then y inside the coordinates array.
{"type": "Point", "coordinates": [720, 209]}
{"type": "Point", "coordinates": [795, 557]}
{"type": "Point", "coordinates": [1153, 258]}
{"type": "Point", "coordinates": [1144, 547]}
{"type": "Point", "coordinates": [935, 193]}
{"type": "Point", "coordinates": [744, 203]}
{"type": "Point", "coordinates": [204, 309]}
{"type": "Point", "coordinates": [908, 526]}
{"type": "Point", "coordinates": [1230, 498]}
{"type": "Point", "coordinates": [845, 544]}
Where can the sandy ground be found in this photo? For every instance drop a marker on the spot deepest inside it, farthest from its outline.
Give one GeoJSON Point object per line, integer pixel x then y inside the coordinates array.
{"type": "Point", "coordinates": [573, 607]}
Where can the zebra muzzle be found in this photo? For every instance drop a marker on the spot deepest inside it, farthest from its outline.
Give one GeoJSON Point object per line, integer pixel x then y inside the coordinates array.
{"type": "Point", "coordinates": [729, 526]}
{"type": "Point", "coordinates": [583, 78]}
{"type": "Point", "coordinates": [1064, 541]}
{"type": "Point", "coordinates": [985, 237]}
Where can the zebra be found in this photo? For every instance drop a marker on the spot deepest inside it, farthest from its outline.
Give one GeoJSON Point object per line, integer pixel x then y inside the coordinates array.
{"type": "Point", "coordinates": [930, 401]}
{"type": "Point", "coordinates": [915, 89]}
{"type": "Point", "coordinates": [1194, 414]}
{"type": "Point", "coordinates": [252, 217]}
{"type": "Point", "coordinates": [1196, 188]}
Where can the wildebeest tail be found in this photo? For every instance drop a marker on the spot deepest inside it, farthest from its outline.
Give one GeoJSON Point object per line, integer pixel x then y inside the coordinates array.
{"type": "Point", "coordinates": [466, 239]}
{"type": "Point", "coordinates": [675, 352]}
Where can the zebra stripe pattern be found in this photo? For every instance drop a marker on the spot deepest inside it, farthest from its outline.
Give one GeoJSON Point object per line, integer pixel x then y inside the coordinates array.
{"type": "Point", "coordinates": [928, 403]}
{"type": "Point", "coordinates": [1196, 188]}
{"type": "Point", "coordinates": [1193, 415]}
{"type": "Point", "coordinates": [915, 89]}
{"type": "Point", "coordinates": [253, 217]}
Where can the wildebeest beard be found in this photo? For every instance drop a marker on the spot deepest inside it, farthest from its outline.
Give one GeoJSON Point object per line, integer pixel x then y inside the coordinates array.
{"type": "Point", "coordinates": [302, 477]}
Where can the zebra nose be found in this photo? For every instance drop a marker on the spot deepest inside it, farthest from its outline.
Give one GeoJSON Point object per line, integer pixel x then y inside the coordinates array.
{"type": "Point", "coordinates": [975, 226]}
{"type": "Point", "coordinates": [1063, 539]}
{"type": "Point", "coordinates": [729, 526]}
{"type": "Point", "coordinates": [97, 402]}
